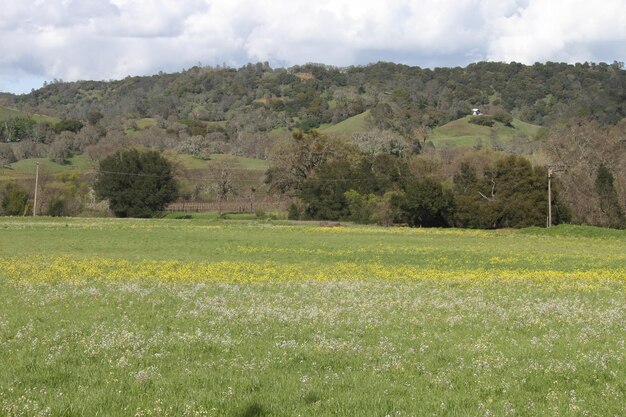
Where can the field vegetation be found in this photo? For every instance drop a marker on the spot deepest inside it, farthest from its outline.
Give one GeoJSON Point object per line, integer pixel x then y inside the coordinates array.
{"type": "Point", "coordinates": [205, 317]}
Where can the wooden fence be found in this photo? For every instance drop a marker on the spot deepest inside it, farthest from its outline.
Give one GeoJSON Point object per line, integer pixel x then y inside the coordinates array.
{"type": "Point", "coordinates": [237, 206]}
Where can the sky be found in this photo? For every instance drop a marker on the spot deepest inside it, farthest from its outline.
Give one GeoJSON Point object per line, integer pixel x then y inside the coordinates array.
{"type": "Point", "coordinates": [43, 40]}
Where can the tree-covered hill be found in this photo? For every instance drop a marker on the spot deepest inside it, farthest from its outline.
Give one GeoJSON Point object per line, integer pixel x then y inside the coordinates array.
{"type": "Point", "coordinates": [399, 96]}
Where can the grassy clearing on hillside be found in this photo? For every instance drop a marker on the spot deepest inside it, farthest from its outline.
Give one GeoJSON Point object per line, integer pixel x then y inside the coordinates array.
{"type": "Point", "coordinates": [26, 168]}
{"type": "Point", "coordinates": [10, 113]}
{"type": "Point", "coordinates": [464, 134]}
{"type": "Point", "coordinates": [349, 126]}
{"type": "Point", "coordinates": [211, 318]}
{"type": "Point", "coordinates": [240, 162]}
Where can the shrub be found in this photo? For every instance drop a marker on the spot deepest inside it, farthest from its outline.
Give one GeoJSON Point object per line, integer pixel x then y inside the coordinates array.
{"type": "Point", "coordinates": [57, 208]}
{"type": "Point", "coordinates": [293, 212]}
{"type": "Point", "coordinates": [483, 120]}
{"type": "Point", "coordinates": [503, 117]}
{"type": "Point", "coordinates": [67, 125]}
{"type": "Point", "coordinates": [15, 201]}
{"type": "Point", "coordinates": [7, 156]}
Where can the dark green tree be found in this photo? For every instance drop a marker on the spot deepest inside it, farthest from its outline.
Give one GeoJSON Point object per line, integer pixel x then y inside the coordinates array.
{"type": "Point", "coordinates": [136, 183]}
{"type": "Point", "coordinates": [14, 200]}
{"type": "Point", "coordinates": [16, 129]}
{"type": "Point", "coordinates": [427, 204]}
{"type": "Point", "coordinates": [510, 194]}
{"type": "Point", "coordinates": [474, 208]}
{"type": "Point", "coordinates": [68, 125]}
{"type": "Point", "coordinates": [609, 200]}
{"type": "Point", "coordinates": [324, 191]}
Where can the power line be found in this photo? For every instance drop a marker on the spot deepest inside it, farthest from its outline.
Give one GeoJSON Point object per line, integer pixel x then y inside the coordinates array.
{"type": "Point", "coordinates": [214, 177]}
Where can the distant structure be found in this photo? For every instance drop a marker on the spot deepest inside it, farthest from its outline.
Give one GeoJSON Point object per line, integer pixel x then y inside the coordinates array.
{"type": "Point", "coordinates": [476, 112]}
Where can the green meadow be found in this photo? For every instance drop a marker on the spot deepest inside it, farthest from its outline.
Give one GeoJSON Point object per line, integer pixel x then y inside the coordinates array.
{"type": "Point", "coordinates": [212, 317]}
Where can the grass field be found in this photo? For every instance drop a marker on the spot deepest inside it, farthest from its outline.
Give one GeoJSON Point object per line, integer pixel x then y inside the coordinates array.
{"type": "Point", "coordinates": [204, 317]}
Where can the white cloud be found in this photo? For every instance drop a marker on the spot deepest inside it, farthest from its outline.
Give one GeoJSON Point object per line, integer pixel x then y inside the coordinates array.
{"type": "Point", "coordinates": [102, 39]}
{"type": "Point", "coordinates": [561, 30]}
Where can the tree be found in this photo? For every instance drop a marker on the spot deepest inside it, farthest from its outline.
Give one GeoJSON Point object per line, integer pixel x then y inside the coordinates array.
{"type": "Point", "coordinates": [94, 116]}
{"type": "Point", "coordinates": [136, 183]}
{"type": "Point", "coordinates": [510, 194]}
{"type": "Point", "coordinates": [16, 129]}
{"type": "Point", "coordinates": [324, 192]}
{"type": "Point", "coordinates": [582, 147]}
{"type": "Point", "coordinates": [609, 200]}
{"type": "Point", "coordinates": [67, 125]}
{"type": "Point", "coordinates": [426, 204]}
{"type": "Point", "coordinates": [295, 160]}
{"type": "Point", "coordinates": [6, 155]}
{"type": "Point", "coordinates": [59, 151]}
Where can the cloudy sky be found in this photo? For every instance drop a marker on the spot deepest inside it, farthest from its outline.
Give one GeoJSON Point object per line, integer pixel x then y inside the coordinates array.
{"type": "Point", "coordinates": [41, 40]}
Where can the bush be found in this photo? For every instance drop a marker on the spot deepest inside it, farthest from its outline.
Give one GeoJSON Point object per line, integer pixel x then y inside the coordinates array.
{"type": "Point", "coordinates": [7, 156]}
{"type": "Point", "coordinates": [67, 125]}
{"type": "Point", "coordinates": [260, 214]}
{"type": "Point", "coordinates": [57, 208]}
{"type": "Point", "coordinates": [483, 120]}
{"type": "Point", "coordinates": [503, 117]}
{"type": "Point", "coordinates": [293, 212]}
{"type": "Point", "coordinates": [363, 208]}
{"type": "Point", "coordinates": [15, 201]}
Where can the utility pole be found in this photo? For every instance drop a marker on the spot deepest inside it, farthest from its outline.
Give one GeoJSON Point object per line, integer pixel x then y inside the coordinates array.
{"type": "Point", "coordinates": [36, 186]}
{"type": "Point", "coordinates": [551, 170]}
{"type": "Point", "coordinates": [549, 196]}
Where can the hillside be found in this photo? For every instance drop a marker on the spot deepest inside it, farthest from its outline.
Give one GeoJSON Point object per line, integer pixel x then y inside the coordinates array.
{"type": "Point", "coordinates": [462, 133]}
{"type": "Point", "coordinates": [266, 98]}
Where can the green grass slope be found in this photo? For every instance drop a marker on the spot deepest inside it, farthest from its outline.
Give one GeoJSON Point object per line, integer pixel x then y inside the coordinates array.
{"type": "Point", "coordinates": [461, 133]}
{"type": "Point", "coordinates": [26, 168]}
{"type": "Point", "coordinates": [239, 162]}
{"type": "Point", "coordinates": [10, 113]}
{"type": "Point", "coordinates": [347, 127]}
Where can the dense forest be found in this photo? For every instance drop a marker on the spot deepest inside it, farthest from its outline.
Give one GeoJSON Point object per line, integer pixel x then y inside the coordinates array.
{"type": "Point", "coordinates": [552, 114]}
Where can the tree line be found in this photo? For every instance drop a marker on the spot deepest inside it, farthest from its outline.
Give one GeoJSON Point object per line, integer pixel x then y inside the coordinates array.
{"type": "Point", "coordinates": [331, 178]}
{"type": "Point", "coordinates": [334, 180]}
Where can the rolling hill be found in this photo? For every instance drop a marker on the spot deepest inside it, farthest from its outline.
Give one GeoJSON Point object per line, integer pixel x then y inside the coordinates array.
{"type": "Point", "coordinates": [462, 133]}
